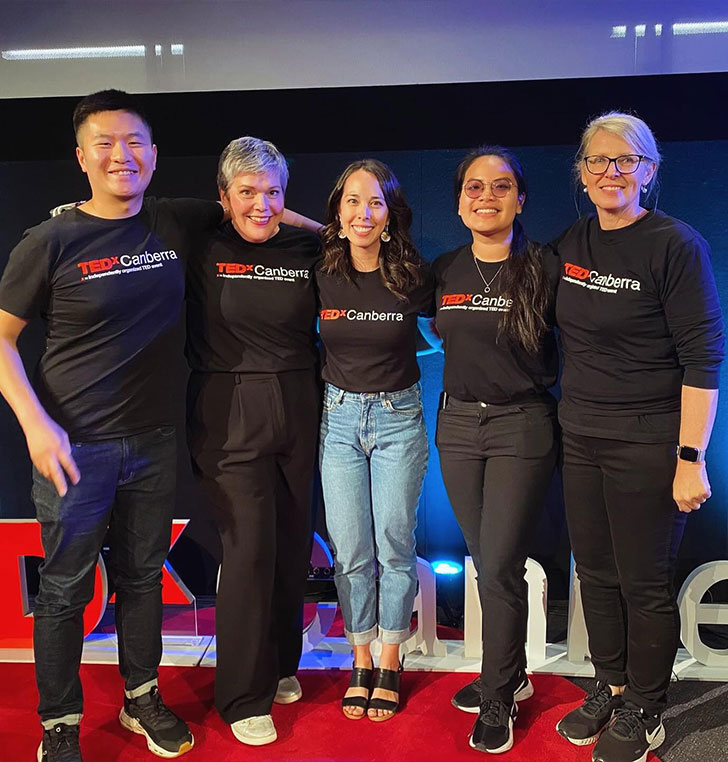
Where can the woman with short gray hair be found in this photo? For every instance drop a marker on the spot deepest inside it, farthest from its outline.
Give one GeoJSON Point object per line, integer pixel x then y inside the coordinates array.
{"type": "Point", "coordinates": [253, 415]}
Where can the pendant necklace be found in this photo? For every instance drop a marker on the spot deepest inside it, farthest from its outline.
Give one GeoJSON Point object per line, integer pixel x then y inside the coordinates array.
{"type": "Point", "coordinates": [486, 283]}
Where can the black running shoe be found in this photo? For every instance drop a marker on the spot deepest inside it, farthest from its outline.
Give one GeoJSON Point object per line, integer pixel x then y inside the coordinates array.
{"type": "Point", "coordinates": [493, 730]}
{"type": "Point", "coordinates": [583, 725]}
{"type": "Point", "coordinates": [167, 735]}
{"type": "Point", "coordinates": [468, 698]}
{"type": "Point", "coordinates": [630, 737]}
{"type": "Point", "coordinates": [60, 744]}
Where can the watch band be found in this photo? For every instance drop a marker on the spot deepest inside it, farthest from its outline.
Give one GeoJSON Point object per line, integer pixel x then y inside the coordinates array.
{"type": "Point", "coordinates": [691, 454]}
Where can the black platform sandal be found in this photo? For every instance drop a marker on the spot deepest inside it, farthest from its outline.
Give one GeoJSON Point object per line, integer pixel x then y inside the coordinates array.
{"type": "Point", "coordinates": [387, 680]}
{"type": "Point", "coordinates": [361, 677]}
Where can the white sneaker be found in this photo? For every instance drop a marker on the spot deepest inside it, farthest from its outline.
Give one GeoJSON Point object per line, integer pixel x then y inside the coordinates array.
{"type": "Point", "coordinates": [255, 731]}
{"type": "Point", "coordinates": [289, 690]}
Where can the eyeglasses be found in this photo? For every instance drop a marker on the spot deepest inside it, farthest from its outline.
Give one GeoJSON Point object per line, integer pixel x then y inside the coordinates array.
{"type": "Point", "coordinates": [626, 164]}
{"type": "Point", "coordinates": [499, 188]}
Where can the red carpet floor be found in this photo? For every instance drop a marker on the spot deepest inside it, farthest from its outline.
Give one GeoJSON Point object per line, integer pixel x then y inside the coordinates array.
{"type": "Point", "coordinates": [311, 730]}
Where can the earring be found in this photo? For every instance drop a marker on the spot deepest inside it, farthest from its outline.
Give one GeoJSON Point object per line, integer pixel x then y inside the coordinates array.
{"type": "Point", "coordinates": [385, 236]}
{"type": "Point", "coordinates": [583, 188]}
{"type": "Point", "coordinates": [644, 189]}
{"type": "Point", "coordinates": [341, 233]}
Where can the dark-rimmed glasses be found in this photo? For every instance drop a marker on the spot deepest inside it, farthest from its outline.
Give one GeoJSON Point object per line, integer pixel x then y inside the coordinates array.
{"type": "Point", "coordinates": [499, 188]}
{"type": "Point", "coordinates": [627, 164]}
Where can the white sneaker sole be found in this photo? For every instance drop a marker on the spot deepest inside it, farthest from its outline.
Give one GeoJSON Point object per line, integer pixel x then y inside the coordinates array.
{"type": "Point", "coordinates": [287, 698]}
{"type": "Point", "coordinates": [131, 723]}
{"type": "Point", "coordinates": [501, 749]}
{"type": "Point", "coordinates": [524, 693]}
{"type": "Point", "coordinates": [583, 741]}
{"type": "Point", "coordinates": [253, 741]}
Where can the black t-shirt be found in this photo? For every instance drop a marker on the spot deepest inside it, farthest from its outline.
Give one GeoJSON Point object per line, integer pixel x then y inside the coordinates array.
{"type": "Point", "coordinates": [251, 307]}
{"type": "Point", "coordinates": [638, 316]}
{"type": "Point", "coordinates": [369, 335]}
{"type": "Point", "coordinates": [481, 363]}
{"type": "Point", "coordinates": [110, 292]}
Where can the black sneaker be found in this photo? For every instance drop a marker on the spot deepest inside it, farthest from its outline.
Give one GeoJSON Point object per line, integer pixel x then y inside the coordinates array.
{"type": "Point", "coordinates": [167, 735]}
{"type": "Point", "coordinates": [493, 730]}
{"type": "Point", "coordinates": [631, 737]}
{"type": "Point", "coordinates": [468, 698]}
{"type": "Point", "coordinates": [60, 744]}
{"type": "Point", "coordinates": [583, 725]}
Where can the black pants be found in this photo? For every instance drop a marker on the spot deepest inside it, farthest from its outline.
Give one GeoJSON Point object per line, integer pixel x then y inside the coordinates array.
{"type": "Point", "coordinates": [253, 442]}
{"type": "Point", "coordinates": [497, 463]}
{"type": "Point", "coordinates": [625, 532]}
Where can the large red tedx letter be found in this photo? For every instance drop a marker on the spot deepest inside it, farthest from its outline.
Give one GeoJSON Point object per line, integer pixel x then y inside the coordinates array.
{"type": "Point", "coordinates": [20, 538]}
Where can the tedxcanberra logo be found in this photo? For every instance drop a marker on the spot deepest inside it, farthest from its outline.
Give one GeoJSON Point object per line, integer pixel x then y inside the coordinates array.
{"type": "Point", "coordinates": [238, 270]}
{"type": "Point", "coordinates": [476, 302]}
{"type": "Point", "coordinates": [124, 264]}
{"type": "Point", "coordinates": [357, 315]}
{"type": "Point", "coordinates": [596, 281]}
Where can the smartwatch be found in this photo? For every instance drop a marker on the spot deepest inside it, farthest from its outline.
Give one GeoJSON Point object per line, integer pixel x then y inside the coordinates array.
{"type": "Point", "coordinates": [691, 454]}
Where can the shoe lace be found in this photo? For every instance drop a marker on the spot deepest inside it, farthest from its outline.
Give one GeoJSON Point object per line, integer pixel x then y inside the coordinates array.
{"type": "Point", "coordinates": [492, 712]}
{"type": "Point", "coordinates": [63, 742]}
{"type": "Point", "coordinates": [156, 712]}
{"type": "Point", "coordinates": [597, 699]}
{"type": "Point", "coordinates": [628, 722]}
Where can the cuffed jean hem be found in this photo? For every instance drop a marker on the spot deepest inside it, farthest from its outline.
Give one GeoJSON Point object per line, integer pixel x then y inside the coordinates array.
{"type": "Point", "coordinates": [394, 637]}
{"type": "Point", "coordinates": [67, 719]}
{"type": "Point", "coordinates": [362, 638]}
{"type": "Point", "coordinates": [142, 689]}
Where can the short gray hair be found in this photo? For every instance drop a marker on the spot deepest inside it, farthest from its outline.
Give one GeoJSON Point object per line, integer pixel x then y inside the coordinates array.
{"type": "Point", "coordinates": [626, 126]}
{"type": "Point", "coordinates": [250, 156]}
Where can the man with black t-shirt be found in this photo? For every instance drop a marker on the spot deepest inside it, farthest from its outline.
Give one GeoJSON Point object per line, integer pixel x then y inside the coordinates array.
{"type": "Point", "coordinates": [108, 279]}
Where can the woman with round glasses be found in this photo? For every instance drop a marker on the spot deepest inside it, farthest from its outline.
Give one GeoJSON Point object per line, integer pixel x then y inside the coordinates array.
{"type": "Point", "coordinates": [642, 341]}
{"type": "Point", "coordinates": [496, 424]}
{"type": "Point", "coordinates": [372, 284]}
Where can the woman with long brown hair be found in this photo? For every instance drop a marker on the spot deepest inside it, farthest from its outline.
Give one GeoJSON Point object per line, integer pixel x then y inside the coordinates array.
{"type": "Point", "coordinates": [372, 284]}
{"type": "Point", "coordinates": [496, 425]}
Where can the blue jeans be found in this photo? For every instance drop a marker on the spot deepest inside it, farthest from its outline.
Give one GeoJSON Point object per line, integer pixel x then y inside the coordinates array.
{"type": "Point", "coordinates": [127, 486]}
{"type": "Point", "coordinates": [373, 456]}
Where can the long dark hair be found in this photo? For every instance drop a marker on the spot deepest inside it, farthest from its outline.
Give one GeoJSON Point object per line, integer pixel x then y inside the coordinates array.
{"type": "Point", "coordinates": [523, 277]}
{"type": "Point", "coordinates": [400, 264]}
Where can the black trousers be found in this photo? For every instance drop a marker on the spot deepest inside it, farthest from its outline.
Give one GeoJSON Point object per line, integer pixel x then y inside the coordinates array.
{"type": "Point", "coordinates": [497, 462]}
{"type": "Point", "coordinates": [625, 533]}
{"type": "Point", "coordinates": [253, 439]}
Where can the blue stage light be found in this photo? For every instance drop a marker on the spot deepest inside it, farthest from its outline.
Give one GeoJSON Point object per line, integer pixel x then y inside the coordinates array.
{"type": "Point", "coordinates": [447, 567]}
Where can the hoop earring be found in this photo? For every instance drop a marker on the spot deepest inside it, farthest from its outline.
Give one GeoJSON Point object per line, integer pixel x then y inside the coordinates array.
{"type": "Point", "coordinates": [341, 233]}
{"type": "Point", "coordinates": [385, 236]}
{"type": "Point", "coordinates": [644, 189]}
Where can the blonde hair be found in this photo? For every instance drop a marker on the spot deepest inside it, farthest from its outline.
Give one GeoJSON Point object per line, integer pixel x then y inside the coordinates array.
{"type": "Point", "coordinates": [626, 126]}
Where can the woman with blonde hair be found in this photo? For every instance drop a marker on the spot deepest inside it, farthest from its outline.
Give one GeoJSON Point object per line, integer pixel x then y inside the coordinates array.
{"type": "Point", "coordinates": [642, 340]}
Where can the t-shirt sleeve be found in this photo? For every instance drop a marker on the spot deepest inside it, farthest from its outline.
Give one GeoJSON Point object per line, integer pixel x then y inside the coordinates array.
{"type": "Point", "coordinates": [692, 309]}
{"type": "Point", "coordinates": [195, 215]}
{"type": "Point", "coordinates": [25, 283]}
{"type": "Point", "coordinates": [423, 298]}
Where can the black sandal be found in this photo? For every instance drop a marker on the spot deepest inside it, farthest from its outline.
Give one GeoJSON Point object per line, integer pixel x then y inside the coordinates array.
{"type": "Point", "coordinates": [387, 680]}
{"type": "Point", "coordinates": [361, 677]}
